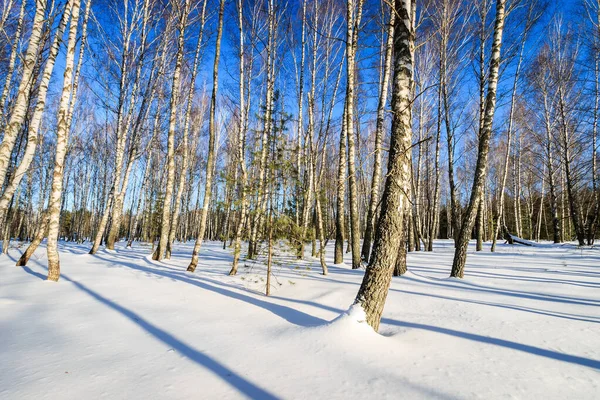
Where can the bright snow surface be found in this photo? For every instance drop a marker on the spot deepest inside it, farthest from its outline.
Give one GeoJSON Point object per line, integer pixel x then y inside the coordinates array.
{"type": "Point", "coordinates": [524, 323]}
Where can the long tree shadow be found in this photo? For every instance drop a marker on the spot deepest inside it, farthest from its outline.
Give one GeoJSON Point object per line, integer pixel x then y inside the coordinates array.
{"type": "Point", "coordinates": [507, 292]}
{"type": "Point", "coordinates": [243, 385]}
{"type": "Point", "coordinates": [289, 314]}
{"type": "Point", "coordinates": [537, 279]}
{"type": "Point", "coordinates": [583, 361]}
{"type": "Point", "coordinates": [33, 273]}
{"type": "Point", "coordinates": [484, 272]}
{"type": "Point", "coordinates": [583, 318]}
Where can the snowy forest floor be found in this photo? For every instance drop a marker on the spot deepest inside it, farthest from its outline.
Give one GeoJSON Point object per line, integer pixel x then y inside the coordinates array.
{"type": "Point", "coordinates": [524, 323]}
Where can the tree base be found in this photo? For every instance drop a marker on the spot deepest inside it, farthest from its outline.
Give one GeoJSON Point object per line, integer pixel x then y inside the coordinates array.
{"type": "Point", "coordinates": [22, 261]}
{"type": "Point", "coordinates": [53, 272]}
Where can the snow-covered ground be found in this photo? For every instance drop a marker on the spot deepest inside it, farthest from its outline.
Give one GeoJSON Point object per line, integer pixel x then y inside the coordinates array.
{"type": "Point", "coordinates": [524, 323]}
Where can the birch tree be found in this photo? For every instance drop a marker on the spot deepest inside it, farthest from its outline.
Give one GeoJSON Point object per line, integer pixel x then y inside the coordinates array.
{"type": "Point", "coordinates": [531, 17]}
{"type": "Point", "coordinates": [186, 128]}
{"type": "Point", "coordinates": [354, 15]}
{"type": "Point", "coordinates": [182, 13]}
{"type": "Point", "coordinates": [374, 288]}
{"type": "Point", "coordinates": [68, 97]}
{"type": "Point", "coordinates": [377, 154]}
{"type": "Point", "coordinates": [36, 118]}
{"type": "Point", "coordinates": [460, 254]}
{"type": "Point", "coordinates": [212, 131]}
{"type": "Point", "coordinates": [19, 109]}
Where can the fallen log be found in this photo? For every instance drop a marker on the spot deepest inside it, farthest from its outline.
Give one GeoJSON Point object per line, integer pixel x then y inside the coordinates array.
{"type": "Point", "coordinates": [512, 239]}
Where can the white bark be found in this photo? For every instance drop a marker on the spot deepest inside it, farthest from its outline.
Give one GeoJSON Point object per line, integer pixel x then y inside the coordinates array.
{"type": "Point", "coordinates": [62, 137]}
{"type": "Point", "coordinates": [17, 117]}
{"type": "Point", "coordinates": [211, 160]}
{"type": "Point", "coordinates": [36, 119]}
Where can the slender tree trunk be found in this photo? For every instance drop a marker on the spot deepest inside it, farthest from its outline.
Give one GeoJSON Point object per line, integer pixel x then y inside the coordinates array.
{"type": "Point", "coordinates": [11, 64]}
{"type": "Point", "coordinates": [241, 145]}
{"type": "Point", "coordinates": [479, 220]}
{"type": "Point", "coordinates": [36, 118]}
{"type": "Point", "coordinates": [268, 126]}
{"type": "Point", "coordinates": [211, 160]}
{"type": "Point", "coordinates": [354, 14]}
{"type": "Point", "coordinates": [377, 156]}
{"type": "Point", "coordinates": [517, 188]}
{"type": "Point", "coordinates": [184, 146]}
{"type": "Point", "coordinates": [19, 111]}
{"type": "Point", "coordinates": [166, 213]}
{"type": "Point", "coordinates": [340, 220]}
{"type": "Point", "coordinates": [593, 217]}
{"type": "Point", "coordinates": [573, 198]}
{"type": "Point", "coordinates": [300, 120]}
{"type": "Point", "coordinates": [121, 186]}
{"type": "Point", "coordinates": [35, 243]}
{"type": "Point", "coordinates": [121, 137]}
{"type": "Point", "coordinates": [62, 137]}
{"type": "Point", "coordinates": [400, 265]}
{"type": "Point", "coordinates": [319, 213]}
{"type": "Point", "coordinates": [499, 218]}
{"type": "Point", "coordinates": [460, 255]}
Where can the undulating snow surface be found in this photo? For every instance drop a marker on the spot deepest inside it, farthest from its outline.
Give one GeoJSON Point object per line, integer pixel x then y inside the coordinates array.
{"type": "Point", "coordinates": [524, 323]}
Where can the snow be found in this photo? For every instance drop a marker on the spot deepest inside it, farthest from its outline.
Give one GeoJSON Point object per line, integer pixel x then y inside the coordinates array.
{"type": "Point", "coordinates": [522, 324]}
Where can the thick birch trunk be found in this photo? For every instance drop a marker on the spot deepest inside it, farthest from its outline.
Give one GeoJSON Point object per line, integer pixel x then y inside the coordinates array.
{"type": "Point", "coordinates": [374, 288]}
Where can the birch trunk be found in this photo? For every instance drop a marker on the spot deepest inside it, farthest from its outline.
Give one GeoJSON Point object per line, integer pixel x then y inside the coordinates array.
{"type": "Point", "coordinates": [300, 123]}
{"type": "Point", "coordinates": [374, 288]}
{"type": "Point", "coordinates": [573, 198]}
{"type": "Point", "coordinates": [211, 160]}
{"type": "Point", "coordinates": [340, 217]}
{"type": "Point", "coordinates": [11, 64]}
{"type": "Point", "coordinates": [592, 219]}
{"type": "Point", "coordinates": [377, 156]}
{"type": "Point", "coordinates": [166, 211]}
{"type": "Point", "coordinates": [460, 254]}
{"type": "Point", "coordinates": [62, 138]}
{"type": "Point", "coordinates": [35, 243]}
{"type": "Point", "coordinates": [12, 129]}
{"type": "Point", "coordinates": [184, 146]}
{"type": "Point", "coordinates": [499, 218]}
{"type": "Point", "coordinates": [262, 196]}
{"type": "Point", "coordinates": [241, 146]}
{"type": "Point", "coordinates": [121, 187]}
{"type": "Point", "coordinates": [354, 14]}
{"type": "Point", "coordinates": [36, 118]}
{"type": "Point", "coordinates": [121, 137]}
